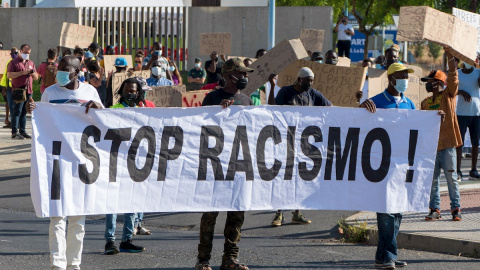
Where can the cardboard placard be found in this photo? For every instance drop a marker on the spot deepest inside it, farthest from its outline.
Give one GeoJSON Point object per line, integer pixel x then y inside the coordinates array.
{"type": "Point", "coordinates": [166, 96]}
{"type": "Point", "coordinates": [312, 39]}
{"type": "Point", "coordinates": [76, 35]}
{"type": "Point", "coordinates": [221, 43]}
{"type": "Point", "coordinates": [4, 58]}
{"type": "Point", "coordinates": [344, 62]}
{"type": "Point", "coordinates": [418, 70]}
{"type": "Point", "coordinates": [241, 58]}
{"type": "Point", "coordinates": [274, 62]}
{"type": "Point", "coordinates": [194, 98]}
{"type": "Point", "coordinates": [337, 84]}
{"type": "Point", "coordinates": [472, 19]}
{"type": "Point", "coordinates": [118, 79]}
{"type": "Point", "coordinates": [420, 22]}
{"type": "Point", "coordinates": [109, 61]}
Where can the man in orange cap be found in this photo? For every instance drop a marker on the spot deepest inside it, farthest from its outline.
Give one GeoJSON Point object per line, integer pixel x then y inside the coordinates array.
{"type": "Point", "coordinates": [444, 98]}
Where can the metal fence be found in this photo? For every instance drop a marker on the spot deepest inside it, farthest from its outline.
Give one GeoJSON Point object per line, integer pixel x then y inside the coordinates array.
{"type": "Point", "coordinates": [130, 29]}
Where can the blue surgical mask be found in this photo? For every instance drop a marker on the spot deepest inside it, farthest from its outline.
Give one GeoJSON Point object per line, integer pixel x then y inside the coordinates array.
{"type": "Point", "coordinates": [467, 66]}
{"type": "Point", "coordinates": [378, 66]}
{"type": "Point", "coordinates": [401, 85]}
{"type": "Point", "coordinates": [197, 65]}
{"type": "Point", "coordinates": [63, 78]}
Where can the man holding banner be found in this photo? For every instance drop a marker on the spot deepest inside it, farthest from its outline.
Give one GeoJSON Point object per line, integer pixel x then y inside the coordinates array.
{"type": "Point", "coordinates": [235, 74]}
{"type": "Point", "coordinates": [389, 223]}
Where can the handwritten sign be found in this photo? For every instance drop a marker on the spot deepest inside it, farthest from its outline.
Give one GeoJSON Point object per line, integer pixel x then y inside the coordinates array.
{"type": "Point", "coordinates": [109, 61]}
{"type": "Point", "coordinates": [118, 79]}
{"type": "Point", "coordinates": [274, 62]}
{"type": "Point", "coordinates": [221, 43]}
{"type": "Point", "coordinates": [194, 98]}
{"type": "Point", "coordinates": [472, 19]}
{"type": "Point", "coordinates": [312, 39]}
{"type": "Point", "coordinates": [75, 34]}
{"type": "Point", "coordinates": [166, 96]}
{"type": "Point", "coordinates": [344, 62]}
{"type": "Point", "coordinates": [337, 84]}
{"type": "Point", "coordinates": [4, 58]}
{"type": "Point", "coordinates": [420, 22]}
{"type": "Point", "coordinates": [417, 70]}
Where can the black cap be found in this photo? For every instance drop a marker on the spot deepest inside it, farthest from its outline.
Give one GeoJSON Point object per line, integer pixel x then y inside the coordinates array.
{"type": "Point", "coordinates": [316, 55]}
{"type": "Point", "coordinates": [94, 46]}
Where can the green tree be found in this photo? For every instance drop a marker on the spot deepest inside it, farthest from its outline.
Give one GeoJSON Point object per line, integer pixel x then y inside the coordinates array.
{"type": "Point", "coordinates": [418, 49]}
{"type": "Point", "coordinates": [434, 50]}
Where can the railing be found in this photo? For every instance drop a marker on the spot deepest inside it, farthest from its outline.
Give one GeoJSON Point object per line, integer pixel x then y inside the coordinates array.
{"type": "Point", "coordinates": [130, 29]}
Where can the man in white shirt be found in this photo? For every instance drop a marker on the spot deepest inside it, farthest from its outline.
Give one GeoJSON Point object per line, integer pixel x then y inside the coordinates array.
{"type": "Point", "coordinates": [345, 33]}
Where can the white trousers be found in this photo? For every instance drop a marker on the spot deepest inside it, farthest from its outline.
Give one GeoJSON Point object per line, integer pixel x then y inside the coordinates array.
{"type": "Point", "coordinates": [66, 252]}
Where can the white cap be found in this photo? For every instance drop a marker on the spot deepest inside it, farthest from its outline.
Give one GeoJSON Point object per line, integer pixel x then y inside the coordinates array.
{"type": "Point", "coordinates": [305, 72]}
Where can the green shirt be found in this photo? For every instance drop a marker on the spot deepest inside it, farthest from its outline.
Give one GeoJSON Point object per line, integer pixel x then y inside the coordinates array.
{"type": "Point", "coordinates": [255, 96]}
{"type": "Point", "coordinates": [194, 73]}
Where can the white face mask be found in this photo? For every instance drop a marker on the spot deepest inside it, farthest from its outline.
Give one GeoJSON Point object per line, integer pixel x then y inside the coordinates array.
{"type": "Point", "coordinates": [158, 53]}
{"type": "Point", "coordinates": [25, 56]}
{"type": "Point", "coordinates": [156, 71]}
{"type": "Point", "coordinates": [197, 65]}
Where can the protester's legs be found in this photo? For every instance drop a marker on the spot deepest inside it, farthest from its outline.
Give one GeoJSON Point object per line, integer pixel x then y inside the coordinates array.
{"type": "Point", "coordinates": [462, 124]}
{"type": "Point", "coordinates": [348, 44]}
{"type": "Point", "coordinates": [341, 48]}
{"type": "Point", "coordinates": [23, 117]}
{"type": "Point", "coordinates": [76, 232]}
{"type": "Point", "coordinates": [16, 111]}
{"type": "Point", "coordinates": [474, 128]}
{"type": "Point", "coordinates": [207, 228]}
{"type": "Point", "coordinates": [232, 233]}
{"type": "Point", "coordinates": [110, 226]}
{"type": "Point", "coordinates": [449, 161]}
{"type": "Point", "coordinates": [57, 243]}
{"type": "Point", "coordinates": [388, 228]}
{"type": "Point", "coordinates": [435, 191]}
{"type": "Point", "coordinates": [10, 102]}
{"type": "Point", "coordinates": [128, 222]}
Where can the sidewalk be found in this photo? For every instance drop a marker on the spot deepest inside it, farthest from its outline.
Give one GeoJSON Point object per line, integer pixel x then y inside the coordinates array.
{"type": "Point", "coordinates": [443, 236]}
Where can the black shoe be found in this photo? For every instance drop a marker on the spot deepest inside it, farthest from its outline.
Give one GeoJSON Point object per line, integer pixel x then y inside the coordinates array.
{"type": "Point", "coordinates": [456, 215]}
{"type": "Point", "coordinates": [26, 136]}
{"type": "Point", "coordinates": [129, 247]}
{"type": "Point", "coordinates": [110, 248]}
{"type": "Point", "coordinates": [474, 175]}
{"type": "Point", "coordinates": [17, 136]}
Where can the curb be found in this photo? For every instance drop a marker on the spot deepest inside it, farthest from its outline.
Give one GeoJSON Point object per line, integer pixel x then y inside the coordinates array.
{"type": "Point", "coordinates": [423, 242]}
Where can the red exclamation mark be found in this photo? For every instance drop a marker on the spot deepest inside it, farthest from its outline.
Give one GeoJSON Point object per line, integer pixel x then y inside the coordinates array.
{"type": "Point", "coordinates": [412, 147]}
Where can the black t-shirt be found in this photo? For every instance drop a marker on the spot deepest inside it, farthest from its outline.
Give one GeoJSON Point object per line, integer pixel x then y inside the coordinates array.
{"type": "Point", "coordinates": [289, 96]}
{"type": "Point", "coordinates": [215, 97]}
{"type": "Point", "coordinates": [213, 77]}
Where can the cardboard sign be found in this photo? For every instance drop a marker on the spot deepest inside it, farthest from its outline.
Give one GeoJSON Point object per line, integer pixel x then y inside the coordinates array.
{"type": "Point", "coordinates": [337, 84]}
{"type": "Point", "coordinates": [418, 70]}
{"type": "Point", "coordinates": [109, 61]}
{"type": "Point", "coordinates": [420, 22]}
{"type": "Point", "coordinates": [221, 43]}
{"type": "Point", "coordinates": [194, 98]}
{"type": "Point", "coordinates": [472, 19]}
{"type": "Point", "coordinates": [312, 39]}
{"type": "Point", "coordinates": [118, 79]}
{"type": "Point", "coordinates": [344, 62]}
{"type": "Point", "coordinates": [241, 58]}
{"type": "Point", "coordinates": [166, 96]}
{"type": "Point", "coordinates": [274, 62]}
{"type": "Point", "coordinates": [76, 35]}
{"type": "Point", "coordinates": [4, 58]}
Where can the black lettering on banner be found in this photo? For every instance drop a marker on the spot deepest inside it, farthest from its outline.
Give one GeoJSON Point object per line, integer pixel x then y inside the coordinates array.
{"type": "Point", "coordinates": [91, 154]}
{"type": "Point", "coordinates": [378, 175]}
{"type": "Point", "coordinates": [335, 148]}
{"type": "Point", "coordinates": [267, 132]}
{"type": "Point", "coordinates": [412, 147]}
{"type": "Point", "coordinates": [140, 175]}
{"type": "Point", "coordinates": [312, 152]}
{"type": "Point", "coordinates": [211, 153]}
{"type": "Point", "coordinates": [290, 152]}
{"type": "Point", "coordinates": [167, 154]}
{"type": "Point", "coordinates": [245, 165]}
{"type": "Point", "coordinates": [117, 136]}
{"type": "Point", "coordinates": [56, 186]}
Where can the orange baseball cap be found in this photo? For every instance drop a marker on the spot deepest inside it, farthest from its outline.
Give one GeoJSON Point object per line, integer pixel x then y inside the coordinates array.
{"type": "Point", "coordinates": [436, 75]}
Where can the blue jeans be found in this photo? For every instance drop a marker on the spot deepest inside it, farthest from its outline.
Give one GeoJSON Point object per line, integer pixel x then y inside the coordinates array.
{"type": "Point", "coordinates": [19, 116]}
{"type": "Point", "coordinates": [447, 160]}
{"type": "Point", "coordinates": [388, 228]}
{"type": "Point", "coordinates": [111, 225]}
{"type": "Point", "coordinates": [10, 103]}
{"type": "Point", "coordinates": [138, 220]}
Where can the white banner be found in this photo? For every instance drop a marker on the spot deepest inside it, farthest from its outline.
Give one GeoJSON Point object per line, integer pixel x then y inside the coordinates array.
{"type": "Point", "coordinates": [471, 18]}
{"type": "Point", "coordinates": [240, 158]}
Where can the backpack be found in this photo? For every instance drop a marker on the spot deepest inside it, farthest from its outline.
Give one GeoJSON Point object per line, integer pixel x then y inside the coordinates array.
{"type": "Point", "coordinates": [50, 73]}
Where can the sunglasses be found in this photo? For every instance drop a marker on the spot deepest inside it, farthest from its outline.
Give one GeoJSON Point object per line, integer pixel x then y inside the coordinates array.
{"type": "Point", "coordinates": [138, 62]}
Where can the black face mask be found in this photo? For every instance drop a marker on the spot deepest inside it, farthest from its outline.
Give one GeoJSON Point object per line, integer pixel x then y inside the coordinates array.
{"type": "Point", "coordinates": [221, 82]}
{"type": "Point", "coordinates": [331, 61]}
{"type": "Point", "coordinates": [429, 87]}
{"type": "Point", "coordinates": [305, 85]}
{"type": "Point", "coordinates": [240, 83]}
{"type": "Point", "coordinates": [129, 98]}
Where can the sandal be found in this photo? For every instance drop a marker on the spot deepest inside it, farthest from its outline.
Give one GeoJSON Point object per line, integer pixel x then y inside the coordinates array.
{"type": "Point", "coordinates": [205, 265]}
{"type": "Point", "coordinates": [233, 264]}
{"type": "Point", "coordinates": [143, 231]}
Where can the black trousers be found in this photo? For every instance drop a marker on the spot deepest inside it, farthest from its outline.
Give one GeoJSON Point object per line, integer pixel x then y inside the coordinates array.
{"type": "Point", "coordinates": [344, 48]}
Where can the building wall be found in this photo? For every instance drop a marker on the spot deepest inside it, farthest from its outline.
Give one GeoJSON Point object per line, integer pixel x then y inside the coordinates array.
{"type": "Point", "coordinates": [249, 26]}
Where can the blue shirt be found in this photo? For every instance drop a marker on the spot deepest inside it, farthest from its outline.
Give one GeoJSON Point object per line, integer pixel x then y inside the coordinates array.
{"type": "Point", "coordinates": [386, 101]}
{"type": "Point", "coordinates": [469, 84]}
{"type": "Point", "coordinates": [152, 81]}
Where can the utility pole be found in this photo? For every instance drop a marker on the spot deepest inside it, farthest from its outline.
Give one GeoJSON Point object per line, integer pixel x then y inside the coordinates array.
{"type": "Point", "coordinates": [271, 25]}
